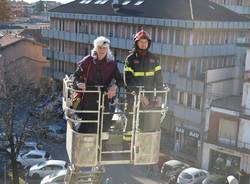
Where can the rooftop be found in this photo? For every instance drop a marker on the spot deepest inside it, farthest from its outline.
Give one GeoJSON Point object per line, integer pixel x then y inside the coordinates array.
{"type": "Point", "coordinates": [231, 103]}
{"type": "Point", "coordinates": [9, 39]}
{"type": "Point", "coordinates": [202, 10]}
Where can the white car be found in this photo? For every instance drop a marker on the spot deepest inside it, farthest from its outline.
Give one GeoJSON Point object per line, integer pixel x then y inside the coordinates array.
{"type": "Point", "coordinates": [28, 146]}
{"type": "Point", "coordinates": [192, 176]}
{"type": "Point", "coordinates": [55, 178]}
{"type": "Point", "coordinates": [32, 157]}
{"type": "Point", "coordinates": [45, 168]}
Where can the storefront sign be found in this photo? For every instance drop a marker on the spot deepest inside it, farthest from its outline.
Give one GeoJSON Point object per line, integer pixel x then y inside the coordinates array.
{"type": "Point", "coordinates": [194, 134]}
{"type": "Point", "coordinates": [179, 129]}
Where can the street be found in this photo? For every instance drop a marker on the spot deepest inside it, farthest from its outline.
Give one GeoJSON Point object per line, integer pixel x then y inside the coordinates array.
{"type": "Point", "coordinates": [121, 174]}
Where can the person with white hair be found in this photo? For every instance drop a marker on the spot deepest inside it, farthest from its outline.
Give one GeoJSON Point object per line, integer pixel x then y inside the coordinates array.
{"type": "Point", "coordinates": [97, 69]}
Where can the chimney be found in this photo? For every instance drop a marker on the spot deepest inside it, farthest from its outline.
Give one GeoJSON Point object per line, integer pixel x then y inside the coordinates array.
{"type": "Point", "coordinates": [116, 5]}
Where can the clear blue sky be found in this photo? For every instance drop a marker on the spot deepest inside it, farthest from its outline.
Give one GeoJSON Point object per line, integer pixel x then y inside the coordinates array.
{"type": "Point", "coordinates": [62, 1]}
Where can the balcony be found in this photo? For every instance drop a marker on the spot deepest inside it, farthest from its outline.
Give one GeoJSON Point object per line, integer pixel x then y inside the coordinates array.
{"type": "Point", "coordinates": [239, 146]}
{"type": "Point", "coordinates": [52, 54]}
{"type": "Point", "coordinates": [186, 84]}
{"type": "Point", "coordinates": [170, 77]}
{"type": "Point", "coordinates": [157, 48]}
{"type": "Point", "coordinates": [187, 113]}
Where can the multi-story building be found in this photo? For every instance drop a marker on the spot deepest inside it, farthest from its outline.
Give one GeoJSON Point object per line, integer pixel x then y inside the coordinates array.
{"type": "Point", "coordinates": [226, 148]}
{"type": "Point", "coordinates": [189, 38]}
{"type": "Point", "coordinates": [240, 6]}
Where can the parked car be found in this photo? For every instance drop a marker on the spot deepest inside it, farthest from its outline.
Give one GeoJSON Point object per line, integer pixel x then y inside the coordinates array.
{"type": "Point", "coordinates": [46, 168]}
{"type": "Point", "coordinates": [28, 146]}
{"type": "Point", "coordinates": [32, 157]}
{"type": "Point", "coordinates": [172, 168]}
{"type": "Point", "coordinates": [219, 179]}
{"type": "Point", "coordinates": [192, 176]}
{"type": "Point", "coordinates": [55, 178]}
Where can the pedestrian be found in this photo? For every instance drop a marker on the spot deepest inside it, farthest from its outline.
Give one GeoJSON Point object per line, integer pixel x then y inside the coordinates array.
{"type": "Point", "coordinates": [97, 69]}
{"type": "Point", "coordinates": [177, 146]}
{"type": "Point", "coordinates": [150, 170]}
{"type": "Point", "coordinates": [143, 69]}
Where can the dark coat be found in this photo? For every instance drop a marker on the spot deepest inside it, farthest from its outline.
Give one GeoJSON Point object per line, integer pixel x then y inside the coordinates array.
{"type": "Point", "coordinates": [143, 71]}
{"type": "Point", "coordinates": [97, 73]}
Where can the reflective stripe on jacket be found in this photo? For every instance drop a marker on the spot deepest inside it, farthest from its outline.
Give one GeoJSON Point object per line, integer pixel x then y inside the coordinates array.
{"type": "Point", "coordinates": [142, 71]}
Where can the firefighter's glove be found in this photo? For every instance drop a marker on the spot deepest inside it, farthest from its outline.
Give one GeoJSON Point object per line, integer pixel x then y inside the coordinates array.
{"type": "Point", "coordinates": [144, 101]}
{"type": "Point", "coordinates": [81, 86]}
{"type": "Point", "coordinates": [112, 91]}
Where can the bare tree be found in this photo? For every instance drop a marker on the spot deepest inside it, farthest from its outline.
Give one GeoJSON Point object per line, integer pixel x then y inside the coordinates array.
{"type": "Point", "coordinates": [5, 10]}
{"type": "Point", "coordinates": [18, 90]}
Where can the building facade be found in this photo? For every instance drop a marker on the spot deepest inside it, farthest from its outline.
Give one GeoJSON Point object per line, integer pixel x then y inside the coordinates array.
{"type": "Point", "coordinates": [188, 39]}
{"type": "Point", "coordinates": [226, 149]}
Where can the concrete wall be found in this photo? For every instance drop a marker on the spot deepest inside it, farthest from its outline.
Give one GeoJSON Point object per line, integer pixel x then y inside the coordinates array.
{"type": "Point", "coordinates": [222, 83]}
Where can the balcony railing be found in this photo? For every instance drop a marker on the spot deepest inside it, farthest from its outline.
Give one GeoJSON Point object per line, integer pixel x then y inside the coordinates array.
{"type": "Point", "coordinates": [156, 47]}
{"type": "Point", "coordinates": [240, 146]}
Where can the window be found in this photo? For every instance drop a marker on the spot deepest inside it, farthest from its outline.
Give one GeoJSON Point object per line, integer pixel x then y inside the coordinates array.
{"type": "Point", "coordinates": [197, 175]}
{"type": "Point", "coordinates": [181, 98]}
{"type": "Point", "coordinates": [85, 1]}
{"type": "Point", "coordinates": [198, 102]}
{"type": "Point", "coordinates": [56, 167]}
{"type": "Point", "coordinates": [189, 100]}
{"type": "Point", "coordinates": [103, 1]}
{"type": "Point", "coordinates": [34, 156]}
{"type": "Point", "coordinates": [227, 131]}
{"type": "Point", "coordinates": [139, 3]}
{"type": "Point", "coordinates": [126, 2]}
{"type": "Point", "coordinates": [98, 1]}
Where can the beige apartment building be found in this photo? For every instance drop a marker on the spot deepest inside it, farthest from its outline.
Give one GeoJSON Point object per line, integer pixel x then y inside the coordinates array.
{"type": "Point", "coordinates": [188, 37]}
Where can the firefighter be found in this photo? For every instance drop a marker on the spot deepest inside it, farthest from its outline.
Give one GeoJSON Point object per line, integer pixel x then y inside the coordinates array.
{"type": "Point", "coordinates": [142, 69]}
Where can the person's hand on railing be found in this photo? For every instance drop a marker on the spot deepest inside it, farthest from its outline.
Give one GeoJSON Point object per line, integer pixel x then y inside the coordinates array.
{"type": "Point", "coordinates": [144, 101]}
{"type": "Point", "coordinates": [112, 91]}
{"type": "Point", "coordinates": [81, 86]}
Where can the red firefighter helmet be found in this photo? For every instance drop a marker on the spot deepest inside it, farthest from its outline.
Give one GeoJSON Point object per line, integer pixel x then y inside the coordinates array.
{"type": "Point", "coordinates": [142, 35]}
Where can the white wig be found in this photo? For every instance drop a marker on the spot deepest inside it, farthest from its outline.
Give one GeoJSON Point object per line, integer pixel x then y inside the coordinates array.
{"type": "Point", "coordinates": [102, 41]}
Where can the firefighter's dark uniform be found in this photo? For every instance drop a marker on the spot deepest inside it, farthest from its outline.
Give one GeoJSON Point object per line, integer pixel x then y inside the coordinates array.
{"type": "Point", "coordinates": [143, 71]}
